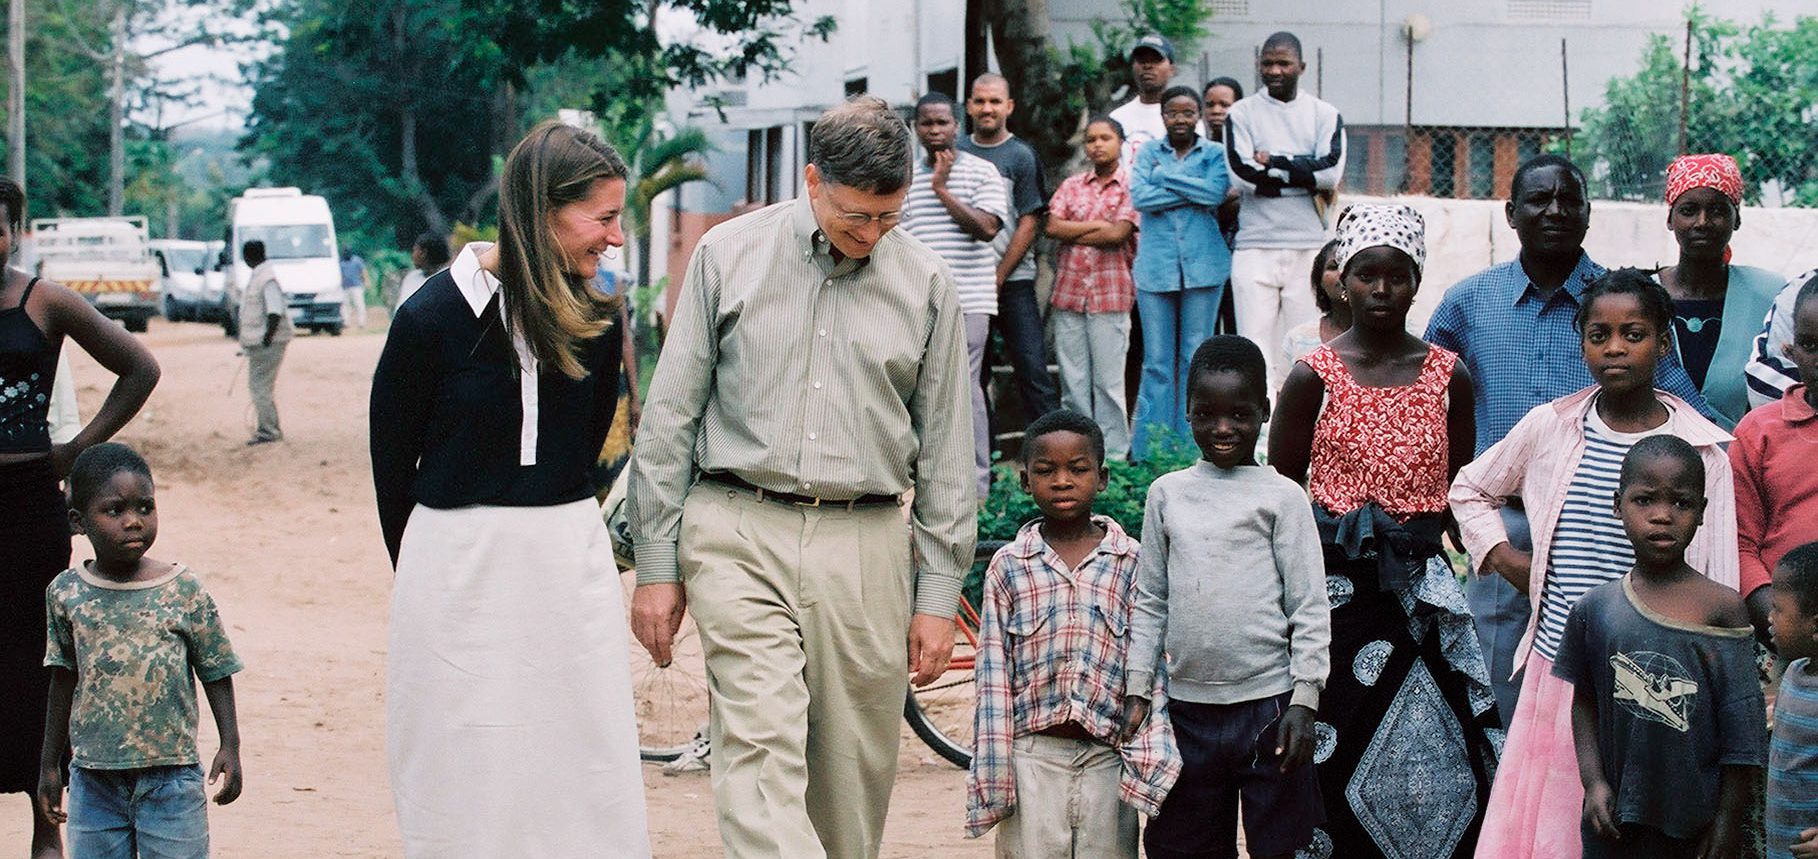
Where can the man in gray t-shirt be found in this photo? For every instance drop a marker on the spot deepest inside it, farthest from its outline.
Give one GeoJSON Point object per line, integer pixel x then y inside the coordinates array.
{"type": "Point", "coordinates": [1019, 317]}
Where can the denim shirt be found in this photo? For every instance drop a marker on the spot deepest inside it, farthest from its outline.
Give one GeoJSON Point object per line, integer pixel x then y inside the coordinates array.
{"type": "Point", "coordinates": [1524, 349]}
{"type": "Point", "coordinates": [1180, 246]}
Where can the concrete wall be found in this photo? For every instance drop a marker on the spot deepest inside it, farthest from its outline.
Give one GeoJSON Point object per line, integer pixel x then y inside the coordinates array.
{"type": "Point", "coordinates": [1467, 236]}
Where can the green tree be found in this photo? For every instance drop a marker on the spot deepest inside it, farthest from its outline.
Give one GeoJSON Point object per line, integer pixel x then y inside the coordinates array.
{"type": "Point", "coordinates": [1057, 88]}
{"type": "Point", "coordinates": [1752, 94]}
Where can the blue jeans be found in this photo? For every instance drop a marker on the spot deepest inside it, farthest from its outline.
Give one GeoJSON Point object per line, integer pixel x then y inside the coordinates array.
{"type": "Point", "coordinates": [1174, 324]}
{"type": "Point", "coordinates": [151, 813]}
{"type": "Point", "coordinates": [1019, 319]}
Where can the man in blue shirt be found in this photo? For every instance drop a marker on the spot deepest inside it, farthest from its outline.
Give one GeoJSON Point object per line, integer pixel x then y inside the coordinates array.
{"type": "Point", "coordinates": [1513, 325]}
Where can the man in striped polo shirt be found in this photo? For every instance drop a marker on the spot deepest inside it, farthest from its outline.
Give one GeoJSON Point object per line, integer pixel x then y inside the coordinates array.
{"type": "Point", "coordinates": [957, 203]}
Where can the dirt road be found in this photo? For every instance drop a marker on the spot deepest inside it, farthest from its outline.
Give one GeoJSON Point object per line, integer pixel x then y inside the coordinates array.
{"type": "Point", "coordinates": [286, 537]}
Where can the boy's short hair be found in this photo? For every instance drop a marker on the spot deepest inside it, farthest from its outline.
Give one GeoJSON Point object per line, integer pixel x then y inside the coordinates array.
{"type": "Point", "coordinates": [253, 252]}
{"type": "Point", "coordinates": [1065, 420]}
{"type": "Point", "coordinates": [936, 97]}
{"type": "Point", "coordinates": [94, 467]}
{"type": "Point", "coordinates": [1806, 293]}
{"type": "Point", "coordinates": [1662, 447]}
{"type": "Point", "coordinates": [1230, 353]}
{"type": "Point", "coordinates": [1797, 571]}
{"type": "Point", "coordinates": [1174, 92]}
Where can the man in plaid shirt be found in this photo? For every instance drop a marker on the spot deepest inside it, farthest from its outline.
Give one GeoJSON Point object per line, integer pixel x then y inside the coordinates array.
{"type": "Point", "coordinates": [1048, 763]}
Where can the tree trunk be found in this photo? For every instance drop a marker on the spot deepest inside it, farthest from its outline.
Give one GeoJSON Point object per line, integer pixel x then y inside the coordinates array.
{"type": "Point", "coordinates": [116, 142]}
{"type": "Point", "coordinates": [1019, 33]}
{"type": "Point", "coordinates": [433, 216]}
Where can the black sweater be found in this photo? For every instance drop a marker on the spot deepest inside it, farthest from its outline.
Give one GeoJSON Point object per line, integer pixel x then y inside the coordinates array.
{"type": "Point", "coordinates": [446, 412]}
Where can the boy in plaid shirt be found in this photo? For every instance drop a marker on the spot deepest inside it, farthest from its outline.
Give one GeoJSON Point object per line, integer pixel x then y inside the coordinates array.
{"type": "Point", "coordinates": [1053, 760]}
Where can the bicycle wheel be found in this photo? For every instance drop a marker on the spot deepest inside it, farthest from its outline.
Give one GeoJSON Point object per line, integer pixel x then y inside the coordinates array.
{"type": "Point", "coordinates": [670, 702]}
{"type": "Point", "coordinates": [941, 713]}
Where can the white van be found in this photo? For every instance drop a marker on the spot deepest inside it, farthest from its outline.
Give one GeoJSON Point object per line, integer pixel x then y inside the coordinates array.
{"type": "Point", "coordinates": [192, 283]}
{"type": "Point", "coordinates": [299, 236]}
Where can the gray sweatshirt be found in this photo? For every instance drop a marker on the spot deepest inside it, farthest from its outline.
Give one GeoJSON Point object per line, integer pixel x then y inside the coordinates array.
{"type": "Point", "coordinates": [1305, 140]}
{"type": "Point", "coordinates": [1232, 584]}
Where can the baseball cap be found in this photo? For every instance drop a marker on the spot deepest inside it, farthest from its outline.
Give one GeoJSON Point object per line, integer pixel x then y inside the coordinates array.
{"type": "Point", "coordinates": [1153, 42]}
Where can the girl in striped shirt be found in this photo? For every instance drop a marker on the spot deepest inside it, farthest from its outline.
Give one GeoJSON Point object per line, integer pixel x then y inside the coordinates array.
{"type": "Point", "coordinates": [1561, 463]}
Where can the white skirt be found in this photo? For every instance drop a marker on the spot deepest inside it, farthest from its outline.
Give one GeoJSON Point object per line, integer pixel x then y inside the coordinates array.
{"type": "Point", "coordinates": [509, 726]}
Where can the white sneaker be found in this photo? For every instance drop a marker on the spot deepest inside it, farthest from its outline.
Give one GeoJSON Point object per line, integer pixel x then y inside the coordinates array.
{"type": "Point", "coordinates": [694, 759]}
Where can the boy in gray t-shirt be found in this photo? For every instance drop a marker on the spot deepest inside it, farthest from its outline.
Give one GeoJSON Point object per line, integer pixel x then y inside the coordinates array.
{"type": "Point", "coordinates": [1667, 713]}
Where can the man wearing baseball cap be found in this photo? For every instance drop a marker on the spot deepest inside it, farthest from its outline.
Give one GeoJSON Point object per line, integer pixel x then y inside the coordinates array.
{"type": "Point", "coordinates": [1151, 70]}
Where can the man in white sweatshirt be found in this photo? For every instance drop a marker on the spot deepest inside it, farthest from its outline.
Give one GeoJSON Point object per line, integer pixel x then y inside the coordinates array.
{"type": "Point", "coordinates": [1286, 150]}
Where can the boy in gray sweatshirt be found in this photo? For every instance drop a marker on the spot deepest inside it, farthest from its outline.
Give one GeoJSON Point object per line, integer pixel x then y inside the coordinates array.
{"type": "Point", "coordinates": [1231, 585]}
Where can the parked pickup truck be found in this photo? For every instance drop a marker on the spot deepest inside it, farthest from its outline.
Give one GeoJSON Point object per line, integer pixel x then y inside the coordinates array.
{"type": "Point", "coordinates": [107, 260]}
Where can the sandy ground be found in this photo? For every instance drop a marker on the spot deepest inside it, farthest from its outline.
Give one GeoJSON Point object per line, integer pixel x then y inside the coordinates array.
{"type": "Point", "coordinates": [288, 541]}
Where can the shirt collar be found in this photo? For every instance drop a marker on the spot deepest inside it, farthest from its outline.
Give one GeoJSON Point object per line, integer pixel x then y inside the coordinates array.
{"type": "Point", "coordinates": [1029, 543]}
{"type": "Point", "coordinates": [476, 284]}
{"type": "Point", "coordinates": [1575, 283]}
{"type": "Point", "coordinates": [1793, 406]}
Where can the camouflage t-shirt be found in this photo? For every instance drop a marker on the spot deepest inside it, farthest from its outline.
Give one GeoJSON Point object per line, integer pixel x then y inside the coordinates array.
{"type": "Point", "coordinates": [133, 647]}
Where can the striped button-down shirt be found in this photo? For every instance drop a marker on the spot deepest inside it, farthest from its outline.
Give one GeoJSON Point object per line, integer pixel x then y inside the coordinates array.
{"type": "Point", "coordinates": [801, 373]}
{"type": "Point", "coordinates": [1053, 648]}
{"type": "Point", "coordinates": [1523, 348]}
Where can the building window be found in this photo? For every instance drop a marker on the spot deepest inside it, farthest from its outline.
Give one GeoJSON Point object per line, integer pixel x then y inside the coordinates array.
{"type": "Point", "coordinates": [945, 82]}
{"type": "Point", "coordinates": [1228, 8]}
{"type": "Point", "coordinates": [856, 86]}
{"type": "Point", "coordinates": [773, 163]}
{"type": "Point", "coordinates": [1550, 10]}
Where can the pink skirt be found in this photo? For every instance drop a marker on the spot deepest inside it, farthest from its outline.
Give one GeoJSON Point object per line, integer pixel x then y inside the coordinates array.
{"type": "Point", "coordinates": [1537, 800]}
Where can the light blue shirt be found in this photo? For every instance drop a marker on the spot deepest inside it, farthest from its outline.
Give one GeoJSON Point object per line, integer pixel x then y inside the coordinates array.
{"type": "Point", "coordinates": [1180, 246]}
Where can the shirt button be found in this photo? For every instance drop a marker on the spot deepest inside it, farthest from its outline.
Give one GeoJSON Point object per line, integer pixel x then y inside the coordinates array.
{"type": "Point", "coordinates": [807, 485]}
{"type": "Point", "coordinates": [827, 282]}
{"type": "Point", "coordinates": [817, 386]}
{"type": "Point", "coordinates": [812, 437]}
{"type": "Point", "coordinates": [822, 332]}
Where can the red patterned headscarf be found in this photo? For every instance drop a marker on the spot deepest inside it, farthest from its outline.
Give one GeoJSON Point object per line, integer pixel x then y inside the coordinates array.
{"type": "Point", "coordinates": [1704, 171]}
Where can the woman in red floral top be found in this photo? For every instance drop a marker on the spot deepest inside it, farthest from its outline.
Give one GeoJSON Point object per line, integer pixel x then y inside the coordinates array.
{"type": "Point", "coordinates": [1092, 217]}
{"type": "Point", "coordinates": [1408, 734]}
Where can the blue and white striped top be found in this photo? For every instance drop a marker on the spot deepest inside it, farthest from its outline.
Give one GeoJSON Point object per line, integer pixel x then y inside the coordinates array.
{"type": "Point", "coordinates": [975, 182]}
{"type": "Point", "coordinates": [1589, 545]}
{"type": "Point", "coordinates": [1792, 785]}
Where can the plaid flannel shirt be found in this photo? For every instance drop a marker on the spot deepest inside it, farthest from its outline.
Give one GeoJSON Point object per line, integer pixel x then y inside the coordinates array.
{"type": "Point", "coordinates": [1053, 645]}
{"type": "Point", "coordinates": [1089, 279]}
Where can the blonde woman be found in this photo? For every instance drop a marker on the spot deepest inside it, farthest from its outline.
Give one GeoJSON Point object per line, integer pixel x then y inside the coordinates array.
{"type": "Point", "coordinates": [508, 701]}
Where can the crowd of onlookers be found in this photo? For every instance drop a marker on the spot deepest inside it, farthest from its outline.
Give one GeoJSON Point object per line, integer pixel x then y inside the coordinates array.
{"type": "Point", "coordinates": [1622, 455]}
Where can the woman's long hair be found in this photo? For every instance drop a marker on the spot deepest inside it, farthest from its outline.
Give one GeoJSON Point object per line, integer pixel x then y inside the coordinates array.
{"type": "Point", "coordinates": [553, 310]}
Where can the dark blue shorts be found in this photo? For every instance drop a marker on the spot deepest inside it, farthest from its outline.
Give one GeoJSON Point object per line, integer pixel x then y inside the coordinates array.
{"type": "Point", "coordinates": [1228, 751]}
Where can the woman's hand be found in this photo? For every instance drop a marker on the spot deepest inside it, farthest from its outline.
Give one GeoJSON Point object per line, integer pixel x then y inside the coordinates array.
{"type": "Point", "coordinates": [1512, 564]}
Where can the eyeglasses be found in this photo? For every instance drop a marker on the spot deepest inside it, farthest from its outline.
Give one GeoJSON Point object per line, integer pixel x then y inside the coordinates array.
{"type": "Point", "coordinates": [855, 220]}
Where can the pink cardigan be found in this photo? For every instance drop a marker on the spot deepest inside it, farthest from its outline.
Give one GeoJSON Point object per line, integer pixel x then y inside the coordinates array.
{"type": "Point", "coordinates": [1536, 461]}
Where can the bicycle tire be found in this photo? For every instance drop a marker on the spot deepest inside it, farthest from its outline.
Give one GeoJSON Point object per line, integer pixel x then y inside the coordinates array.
{"type": "Point", "coordinates": [670, 702]}
{"type": "Point", "coordinates": [941, 713]}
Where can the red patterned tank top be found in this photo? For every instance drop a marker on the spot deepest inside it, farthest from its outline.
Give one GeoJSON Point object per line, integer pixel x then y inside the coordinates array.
{"type": "Point", "coordinates": [1387, 445]}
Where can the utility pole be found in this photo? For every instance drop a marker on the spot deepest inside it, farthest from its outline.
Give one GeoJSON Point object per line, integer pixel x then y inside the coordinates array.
{"type": "Point", "coordinates": [15, 95]}
{"type": "Point", "coordinates": [116, 162]}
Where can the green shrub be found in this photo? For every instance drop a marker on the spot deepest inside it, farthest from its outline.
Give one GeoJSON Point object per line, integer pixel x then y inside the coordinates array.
{"type": "Point", "coordinates": [1008, 507]}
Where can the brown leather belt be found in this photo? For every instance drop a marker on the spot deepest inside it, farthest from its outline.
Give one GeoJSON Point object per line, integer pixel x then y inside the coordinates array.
{"type": "Point", "coordinates": [726, 478]}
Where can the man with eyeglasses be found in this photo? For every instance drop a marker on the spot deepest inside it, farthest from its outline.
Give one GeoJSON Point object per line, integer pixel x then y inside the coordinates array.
{"type": "Point", "coordinates": [814, 375]}
{"type": "Point", "coordinates": [956, 206]}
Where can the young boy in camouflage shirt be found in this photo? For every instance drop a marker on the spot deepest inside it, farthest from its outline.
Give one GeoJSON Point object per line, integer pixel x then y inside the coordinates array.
{"type": "Point", "coordinates": [126, 633]}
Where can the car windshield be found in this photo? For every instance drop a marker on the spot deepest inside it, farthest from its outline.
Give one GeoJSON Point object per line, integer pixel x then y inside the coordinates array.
{"type": "Point", "coordinates": [290, 241]}
{"type": "Point", "coordinates": [185, 259]}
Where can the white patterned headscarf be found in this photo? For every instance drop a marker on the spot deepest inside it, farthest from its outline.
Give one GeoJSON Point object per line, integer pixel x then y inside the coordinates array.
{"type": "Point", "coordinates": [1369, 225]}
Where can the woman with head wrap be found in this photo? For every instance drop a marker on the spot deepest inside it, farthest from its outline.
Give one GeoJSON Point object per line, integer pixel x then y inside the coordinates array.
{"type": "Point", "coordinates": [1408, 734]}
{"type": "Point", "coordinates": [1718, 307]}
